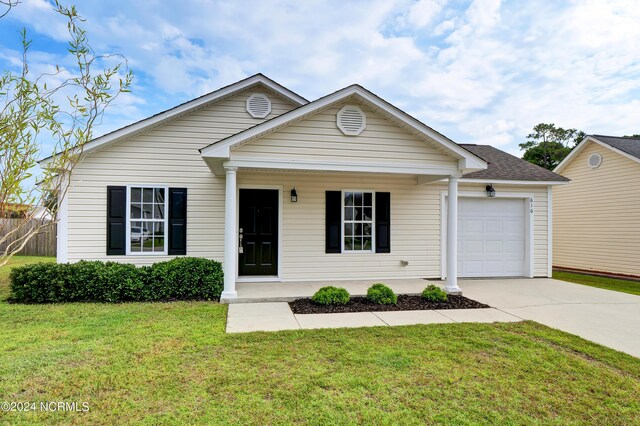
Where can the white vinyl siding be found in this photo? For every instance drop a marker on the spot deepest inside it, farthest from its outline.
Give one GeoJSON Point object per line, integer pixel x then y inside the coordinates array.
{"type": "Point", "coordinates": [166, 155]}
{"type": "Point", "coordinates": [415, 226]}
{"type": "Point", "coordinates": [596, 217]}
{"type": "Point", "coordinates": [317, 138]}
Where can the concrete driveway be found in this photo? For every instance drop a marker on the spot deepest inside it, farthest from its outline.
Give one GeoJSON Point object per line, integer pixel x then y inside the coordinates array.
{"type": "Point", "coordinates": [607, 317]}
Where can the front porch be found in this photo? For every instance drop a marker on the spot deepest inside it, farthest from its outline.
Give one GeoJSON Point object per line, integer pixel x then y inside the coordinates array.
{"type": "Point", "coordinates": [256, 292]}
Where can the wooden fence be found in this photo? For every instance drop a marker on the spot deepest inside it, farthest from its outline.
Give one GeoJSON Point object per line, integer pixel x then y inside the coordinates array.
{"type": "Point", "coordinates": [41, 244]}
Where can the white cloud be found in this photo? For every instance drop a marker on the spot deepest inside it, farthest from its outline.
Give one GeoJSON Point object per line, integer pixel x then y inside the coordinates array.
{"type": "Point", "coordinates": [423, 12]}
{"type": "Point", "coordinates": [484, 71]}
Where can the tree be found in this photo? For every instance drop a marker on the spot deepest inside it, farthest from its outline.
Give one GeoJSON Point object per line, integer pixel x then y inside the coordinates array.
{"type": "Point", "coordinates": [634, 136]}
{"type": "Point", "coordinates": [64, 114]}
{"type": "Point", "coordinates": [548, 145]}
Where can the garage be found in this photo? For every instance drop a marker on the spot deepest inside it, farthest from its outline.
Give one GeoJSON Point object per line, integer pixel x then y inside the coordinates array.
{"type": "Point", "coordinates": [491, 237]}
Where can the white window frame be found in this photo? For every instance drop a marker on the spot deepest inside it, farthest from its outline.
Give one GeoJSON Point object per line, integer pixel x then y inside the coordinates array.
{"type": "Point", "coordinates": [373, 222]}
{"type": "Point", "coordinates": [165, 220]}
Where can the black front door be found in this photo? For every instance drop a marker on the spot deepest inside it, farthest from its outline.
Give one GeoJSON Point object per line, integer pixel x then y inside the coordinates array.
{"type": "Point", "coordinates": [258, 229]}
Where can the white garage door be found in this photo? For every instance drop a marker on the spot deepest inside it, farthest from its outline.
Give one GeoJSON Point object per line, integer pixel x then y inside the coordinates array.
{"type": "Point", "coordinates": [491, 237]}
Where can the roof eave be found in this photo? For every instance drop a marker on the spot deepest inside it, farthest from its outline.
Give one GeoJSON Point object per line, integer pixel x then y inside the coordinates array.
{"type": "Point", "coordinates": [185, 108]}
{"type": "Point", "coordinates": [468, 161]}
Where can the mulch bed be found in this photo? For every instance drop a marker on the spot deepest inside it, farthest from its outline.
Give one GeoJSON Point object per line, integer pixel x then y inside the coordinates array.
{"type": "Point", "coordinates": [405, 303]}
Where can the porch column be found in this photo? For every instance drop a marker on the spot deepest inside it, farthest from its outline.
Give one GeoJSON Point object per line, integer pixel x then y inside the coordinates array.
{"type": "Point", "coordinates": [452, 238]}
{"type": "Point", "coordinates": [230, 235]}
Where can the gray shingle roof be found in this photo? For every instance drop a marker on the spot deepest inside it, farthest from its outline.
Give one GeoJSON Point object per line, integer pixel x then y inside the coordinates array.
{"type": "Point", "coordinates": [504, 166]}
{"type": "Point", "coordinates": [630, 146]}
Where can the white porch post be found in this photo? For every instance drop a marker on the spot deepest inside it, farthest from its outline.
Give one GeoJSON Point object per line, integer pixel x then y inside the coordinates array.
{"type": "Point", "coordinates": [452, 238]}
{"type": "Point", "coordinates": [230, 236]}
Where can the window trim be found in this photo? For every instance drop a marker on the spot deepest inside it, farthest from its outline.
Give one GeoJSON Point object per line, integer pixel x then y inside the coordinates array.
{"type": "Point", "coordinates": [166, 221]}
{"type": "Point", "coordinates": [373, 222]}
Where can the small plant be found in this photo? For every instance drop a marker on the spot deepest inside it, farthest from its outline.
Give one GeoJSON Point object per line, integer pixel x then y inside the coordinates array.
{"type": "Point", "coordinates": [331, 296]}
{"type": "Point", "coordinates": [381, 294]}
{"type": "Point", "coordinates": [433, 293]}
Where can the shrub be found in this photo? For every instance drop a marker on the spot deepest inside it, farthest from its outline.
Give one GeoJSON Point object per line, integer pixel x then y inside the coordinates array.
{"type": "Point", "coordinates": [381, 294]}
{"type": "Point", "coordinates": [331, 296]}
{"type": "Point", "coordinates": [185, 278]}
{"type": "Point", "coordinates": [94, 281]}
{"type": "Point", "coordinates": [433, 293]}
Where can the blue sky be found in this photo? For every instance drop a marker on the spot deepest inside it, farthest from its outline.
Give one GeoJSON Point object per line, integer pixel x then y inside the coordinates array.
{"type": "Point", "coordinates": [481, 71]}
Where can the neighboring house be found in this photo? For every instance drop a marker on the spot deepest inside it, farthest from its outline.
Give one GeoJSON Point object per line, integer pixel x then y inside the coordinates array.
{"type": "Point", "coordinates": [282, 189]}
{"type": "Point", "coordinates": [596, 219]}
{"type": "Point", "coordinates": [21, 211]}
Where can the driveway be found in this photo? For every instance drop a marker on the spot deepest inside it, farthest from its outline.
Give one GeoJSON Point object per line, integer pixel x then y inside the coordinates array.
{"type": "Point", "coordinates": [607, 317]}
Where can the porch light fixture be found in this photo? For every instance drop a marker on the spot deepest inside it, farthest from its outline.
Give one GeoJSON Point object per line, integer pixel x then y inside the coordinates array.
{"type": "Point", "coordinates": [294, 196]}
{"type": "Point", "coordinates": [490, 191]}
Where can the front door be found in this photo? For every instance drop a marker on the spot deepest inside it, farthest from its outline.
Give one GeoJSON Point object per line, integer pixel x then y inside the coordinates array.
{"type": "Point", "coordinates": [258, 229]}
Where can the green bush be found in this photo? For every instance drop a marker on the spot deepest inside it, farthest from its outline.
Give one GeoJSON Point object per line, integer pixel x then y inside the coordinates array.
{"type": "Point", "coordinates": [381, 294]}
{"type": "Point", "coordinates": [184, 278]}
{"type": "Point", "coordinates": [433, 293]}
{"type": "Point", "coordinates": [331, 296]}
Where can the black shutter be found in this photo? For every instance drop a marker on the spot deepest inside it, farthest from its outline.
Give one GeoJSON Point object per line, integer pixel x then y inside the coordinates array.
{"type": "Point", "coordinates": [333, 218]}
{"type": "Point", "coordinates": [116, 220]}
{"type": "Point", "coordinates": [383, 222]}
{"type": "Point", "coordinates": [177, 221]}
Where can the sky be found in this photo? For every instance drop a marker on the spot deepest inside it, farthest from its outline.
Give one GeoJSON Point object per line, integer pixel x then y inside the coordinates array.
{"type": "Point", "coordinates": [479, 71]}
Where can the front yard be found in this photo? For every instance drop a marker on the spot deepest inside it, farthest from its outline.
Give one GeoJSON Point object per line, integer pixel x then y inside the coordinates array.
{"type": "Point", "coordinates": [172, 363]}
{"type": "Point", "coordinates": [625, 286]}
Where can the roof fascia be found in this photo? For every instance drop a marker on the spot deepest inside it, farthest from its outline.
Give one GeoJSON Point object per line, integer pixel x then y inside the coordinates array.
{"type": "Point", "coordinates": [185, 108]}
{"type": "Point", "coordinates": [222, 149]}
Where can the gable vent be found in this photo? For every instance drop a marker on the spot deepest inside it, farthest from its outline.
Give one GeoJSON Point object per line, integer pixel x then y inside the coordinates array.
{"type": "Point", "coordinates": [258, 105]}
{"type": "Point", "coordinates": [595, 160]}
{"type": "Point", "coordinates": [351, 120]}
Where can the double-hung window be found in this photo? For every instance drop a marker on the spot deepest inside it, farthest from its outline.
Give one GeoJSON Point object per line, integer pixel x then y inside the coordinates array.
{"type": "Point", "coordinates": [147, 220]}
{"type": "Point", "coordinates": [357, 221]}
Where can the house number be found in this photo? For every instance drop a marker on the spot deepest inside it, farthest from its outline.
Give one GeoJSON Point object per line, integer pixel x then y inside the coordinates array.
{"type": "Point", "coordinates": [531, 205]}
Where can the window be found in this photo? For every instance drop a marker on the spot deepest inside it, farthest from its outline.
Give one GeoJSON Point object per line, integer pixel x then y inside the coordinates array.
{"type": "Point", "coordinates": [147, 220]}
{"type": "Point", "coordinates": [357, 221]}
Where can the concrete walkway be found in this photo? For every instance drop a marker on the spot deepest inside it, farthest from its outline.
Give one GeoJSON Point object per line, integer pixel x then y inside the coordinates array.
{"type": "Point", "coordinates": [275, 316]}
{"type": "Point", "coordinates": [607, 317]}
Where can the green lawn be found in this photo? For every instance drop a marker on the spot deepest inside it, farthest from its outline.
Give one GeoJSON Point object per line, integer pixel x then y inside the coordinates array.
{"type": "Point", "coordinates": [624, 286]}
{"type": "Point", "coordinates": [155, 363]}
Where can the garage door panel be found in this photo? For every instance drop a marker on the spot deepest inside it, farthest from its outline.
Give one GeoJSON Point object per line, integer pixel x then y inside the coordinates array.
{"type": "Point", "coordinates": [491, 237]}
{"type": "Point", "coordinates": [472, 225]}
{"type": "Point", "coordinates": [513, 226]}
{"type": "Point", "coordinates": [493, 226]}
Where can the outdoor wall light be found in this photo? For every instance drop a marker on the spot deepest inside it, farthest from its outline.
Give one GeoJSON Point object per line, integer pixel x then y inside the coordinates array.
{"type": "Point", "coordinates": [490, 191]}
{"type": "Point", "coordinates": [294, 195]}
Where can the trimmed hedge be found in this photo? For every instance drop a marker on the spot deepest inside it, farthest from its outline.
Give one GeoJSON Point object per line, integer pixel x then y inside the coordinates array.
{"type": "Point", "coordinates": [183, 278]}
{"type": "Point", "coordinates": [433, 293]}
{"type": "Point", "coordinates": [331, 295]}
{"type": "Point", "coordinates": [382, 295]}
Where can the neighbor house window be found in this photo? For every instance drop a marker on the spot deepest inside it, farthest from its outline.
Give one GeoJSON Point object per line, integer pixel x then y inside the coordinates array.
{"type": "Point", "coordinates": [357, 221]}
{"type": "Point", "coordinates": [147, 221]}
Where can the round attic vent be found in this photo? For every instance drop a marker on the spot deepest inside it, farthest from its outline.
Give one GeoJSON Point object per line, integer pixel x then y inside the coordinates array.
{"type": "Point", "coordinates": [595, 160]}
{"type": "Point", "coordinates": [258, 105]}
{"type": "Point", "coordinates": [351, 120]}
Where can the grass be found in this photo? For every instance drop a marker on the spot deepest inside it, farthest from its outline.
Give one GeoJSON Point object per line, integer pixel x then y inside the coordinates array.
{"type": "Point", "coordinates": [172, 363]}
{"type": "Point", "coordinates": [625, 286]}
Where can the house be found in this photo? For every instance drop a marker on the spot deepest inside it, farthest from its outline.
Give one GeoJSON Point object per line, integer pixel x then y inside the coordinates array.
{"type": "Point", "coordinates": [597, 218]}
{"type": "Point", "coordinates": [22, 211]}
{"type": "Point", "coordinates": [282, 189]}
